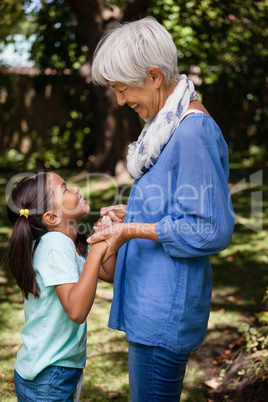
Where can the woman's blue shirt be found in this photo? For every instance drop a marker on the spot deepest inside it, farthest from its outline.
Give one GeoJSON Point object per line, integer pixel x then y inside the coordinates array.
{"type": "Point", "coordinates": [162, 290]}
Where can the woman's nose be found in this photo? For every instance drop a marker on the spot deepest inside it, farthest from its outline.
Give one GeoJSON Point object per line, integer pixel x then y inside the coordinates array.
{"type": "Point", "coordinates": [120, 99]}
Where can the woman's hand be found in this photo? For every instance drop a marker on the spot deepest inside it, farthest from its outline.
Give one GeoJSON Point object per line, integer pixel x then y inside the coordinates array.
{"type": "Point", "coordinates": [115, 212]}
{"type": "Point", "coordinates": [114, 235]}
{"type": "Point", "coordinates": [118, 234]}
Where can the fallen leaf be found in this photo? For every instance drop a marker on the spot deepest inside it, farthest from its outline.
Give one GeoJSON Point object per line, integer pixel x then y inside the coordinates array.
{"type": "Point", "coordinates": [112, 395]}
{"type": "Point", "coordinates": [218, 360]}
{"type": "Point", "coordinates": [9, 383]}
{"type": "Point", "coordinates": [238, 342]}
{"type": "Point", "coordinates": [212, 383]}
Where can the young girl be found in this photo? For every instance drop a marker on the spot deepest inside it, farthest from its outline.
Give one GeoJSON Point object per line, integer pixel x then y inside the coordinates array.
{"type": "Point", "coordinates": [47, 258]}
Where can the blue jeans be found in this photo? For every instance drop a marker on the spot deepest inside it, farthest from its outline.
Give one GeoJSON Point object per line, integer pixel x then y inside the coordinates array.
{"type": "Point", "coordinates": [155, 374]}
{"type": "Point", "coordinates": [53, 384]}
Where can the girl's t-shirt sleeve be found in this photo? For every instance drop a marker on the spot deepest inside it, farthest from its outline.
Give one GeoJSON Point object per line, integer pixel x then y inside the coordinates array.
{"type": "Point", "coordinates": [59, 265]}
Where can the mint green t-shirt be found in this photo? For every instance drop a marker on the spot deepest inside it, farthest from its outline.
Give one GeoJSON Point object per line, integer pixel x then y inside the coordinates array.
{"type": "Point", "coordinates": [49, 336]}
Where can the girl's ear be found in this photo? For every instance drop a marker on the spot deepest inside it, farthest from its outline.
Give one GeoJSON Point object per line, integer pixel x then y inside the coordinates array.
{"type": "Point", "coordinates": [50, 219]}
{"type": "Point", "coordinates": [156, 76]}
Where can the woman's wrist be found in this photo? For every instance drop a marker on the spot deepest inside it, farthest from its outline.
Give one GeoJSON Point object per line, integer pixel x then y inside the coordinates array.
{"type": "Point", "coordinates": [138, 230]}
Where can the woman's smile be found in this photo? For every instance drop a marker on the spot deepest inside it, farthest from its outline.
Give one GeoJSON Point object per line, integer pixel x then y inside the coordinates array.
{"type": "Point", "coordinates": [144, 101]}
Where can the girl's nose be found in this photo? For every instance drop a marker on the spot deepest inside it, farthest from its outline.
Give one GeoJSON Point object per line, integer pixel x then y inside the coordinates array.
{"type": "Point", "coordinates": [74, 189]}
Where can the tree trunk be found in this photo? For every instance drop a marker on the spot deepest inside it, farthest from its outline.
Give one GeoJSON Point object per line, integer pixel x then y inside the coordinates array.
{"type": "Point", "coordinates": [115, 126]}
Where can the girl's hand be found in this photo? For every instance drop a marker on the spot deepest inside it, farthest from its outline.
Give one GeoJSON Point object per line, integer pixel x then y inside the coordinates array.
{"type": "Point", "coordinates": [100, 249]}
{"type": "Point", "coordinates": [102, 223]}
{"type": "Point", "coordinates": [115, 212]}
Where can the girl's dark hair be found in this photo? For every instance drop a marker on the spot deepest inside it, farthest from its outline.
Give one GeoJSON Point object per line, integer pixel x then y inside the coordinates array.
{"type": "Point", "coordinates": [81, 244]}
{"type": "Point", "coordinates": [30, 193]}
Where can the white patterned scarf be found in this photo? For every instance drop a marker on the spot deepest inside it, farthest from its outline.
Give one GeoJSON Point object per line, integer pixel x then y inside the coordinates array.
{"type": "Point", "coordinates": [144, 153]}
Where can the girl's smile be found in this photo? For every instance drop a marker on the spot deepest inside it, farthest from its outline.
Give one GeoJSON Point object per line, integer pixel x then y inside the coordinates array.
{"type": "Point", "coordinates": [68, 202]}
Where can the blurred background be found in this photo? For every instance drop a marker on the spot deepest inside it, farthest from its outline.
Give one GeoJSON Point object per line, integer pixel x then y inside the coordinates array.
{"type": "Point", "coordinates": [51, 116]}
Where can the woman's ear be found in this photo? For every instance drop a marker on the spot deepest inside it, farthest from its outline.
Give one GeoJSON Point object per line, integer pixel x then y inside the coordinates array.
{"type": "Point", "coordinates": [50, 219]}
{"type": "Point", "coordinates": [156, 76]}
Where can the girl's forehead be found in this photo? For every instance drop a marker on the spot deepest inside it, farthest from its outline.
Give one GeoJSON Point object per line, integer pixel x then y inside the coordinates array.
{"type": "Point", "coordinates": [54, 179]}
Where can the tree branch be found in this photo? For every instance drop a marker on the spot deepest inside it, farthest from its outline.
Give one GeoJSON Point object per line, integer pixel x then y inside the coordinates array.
{"type": "Point", "coordinates": [135, 9]}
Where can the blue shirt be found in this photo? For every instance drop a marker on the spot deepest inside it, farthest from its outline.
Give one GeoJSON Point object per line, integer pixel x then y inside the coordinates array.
{"type": "Point", "coordinates": [49, 336]}
{"type": "Point", "coordinates": [162, 290]}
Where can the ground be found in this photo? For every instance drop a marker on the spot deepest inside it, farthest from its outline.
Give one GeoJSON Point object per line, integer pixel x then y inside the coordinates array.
{"type": "Point", "coordinates": [222, 382]}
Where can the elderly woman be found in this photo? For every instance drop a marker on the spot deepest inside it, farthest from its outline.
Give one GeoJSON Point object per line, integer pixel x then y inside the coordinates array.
{"type": "Point", "coordinates": [178, 212]}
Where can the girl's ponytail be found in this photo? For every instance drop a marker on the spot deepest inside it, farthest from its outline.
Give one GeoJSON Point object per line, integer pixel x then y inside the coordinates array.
{"type": "Point", "coordinates": [20, 256]}
{"type": "Point", "coordinates": [31, 193]}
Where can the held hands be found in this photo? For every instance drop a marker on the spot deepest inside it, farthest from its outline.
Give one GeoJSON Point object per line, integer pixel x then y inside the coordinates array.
{"type": "Point", "coordinates": [115, 212]}
{"type": "Point", "coordinates": [112, 233]}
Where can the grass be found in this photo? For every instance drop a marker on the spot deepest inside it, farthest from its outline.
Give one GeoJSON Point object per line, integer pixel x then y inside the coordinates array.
{"type": "Point", "coordinates": [240, 279]}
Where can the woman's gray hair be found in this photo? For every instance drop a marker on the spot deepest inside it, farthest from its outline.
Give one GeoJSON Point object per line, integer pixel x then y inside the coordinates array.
{"type": "Point", "coordinates": [124, 54]}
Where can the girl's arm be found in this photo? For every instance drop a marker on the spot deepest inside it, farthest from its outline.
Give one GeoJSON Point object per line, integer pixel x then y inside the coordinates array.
{"type": "Point", "coordinates": [107, 269]}
{"type": "Point", "coordinates": [77, 298]}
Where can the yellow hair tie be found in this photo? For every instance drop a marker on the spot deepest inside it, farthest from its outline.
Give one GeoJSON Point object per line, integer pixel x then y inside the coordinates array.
{"type": "Point", "coordinates": [24, 212]}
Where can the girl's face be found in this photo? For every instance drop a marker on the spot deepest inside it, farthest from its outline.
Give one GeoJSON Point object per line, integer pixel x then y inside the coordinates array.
{"type": "Point", "coordinates": [67, 201]}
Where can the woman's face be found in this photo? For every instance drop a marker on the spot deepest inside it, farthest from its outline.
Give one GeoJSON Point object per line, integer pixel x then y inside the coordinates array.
{"type": "Point", "coordinates": [144, 101]}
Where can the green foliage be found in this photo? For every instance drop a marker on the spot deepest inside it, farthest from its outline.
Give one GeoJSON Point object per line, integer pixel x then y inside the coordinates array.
{"type": "Point", "coordinates": [57, 45]}
{"type": "Point", "coordinates": [256, 339]}
{"type": "Point", "coordinates": [56, 150]}
{"type": "Point", "coordinates": [262, 316]}
{"type": "Point", "coordinates": [68, 141]}
{"type": "Point", "coordinates": [12, 14]}
{"type": "Point", "coordinates": [228, 41]}
{"type": "Point", "coordinates": [257, 368]}
{"type": "Point", "coordinates": [217, 35]}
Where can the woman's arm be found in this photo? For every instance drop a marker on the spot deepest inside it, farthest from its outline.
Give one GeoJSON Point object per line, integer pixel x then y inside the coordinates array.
{"type": "Point", "coordinates": [77, 298]}
{"type": "Point", "coordinates": [202, 218]}
{"type": "Point", "coordinates": [120, 233]}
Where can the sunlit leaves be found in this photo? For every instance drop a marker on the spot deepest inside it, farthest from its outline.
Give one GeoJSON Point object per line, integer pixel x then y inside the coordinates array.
{"type": "Point", "coordinates": [220, 33]}
{"type": "Point", "coordinates": [57, 45]}
{"type": "Point", "coordinates": [12, 15]}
